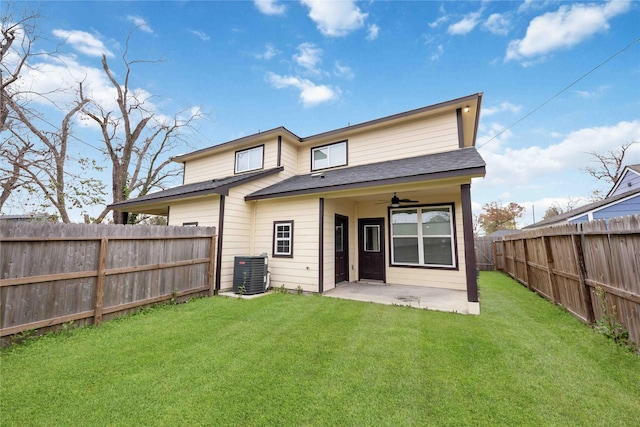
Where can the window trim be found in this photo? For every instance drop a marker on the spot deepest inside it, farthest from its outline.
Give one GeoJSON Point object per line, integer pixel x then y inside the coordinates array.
{"type": "Point", "coordinates": [454, 242]}
{"type": "Point", "coordinates": [274, 246]}
{"type": "Point", "coordinates": [235, 161]}
{"type": "Point", "coordinates": [346, 155]}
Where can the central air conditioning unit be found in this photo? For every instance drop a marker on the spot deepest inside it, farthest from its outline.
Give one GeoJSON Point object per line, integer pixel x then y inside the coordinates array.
{"type": "Point", "coordinates": [250, 274]}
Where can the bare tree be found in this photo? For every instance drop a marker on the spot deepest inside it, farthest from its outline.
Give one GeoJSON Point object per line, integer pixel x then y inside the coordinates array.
{"type": "Point", "coordinates": [16, 39]}
{"type": "Point", "coordinates": [47, 170]}
{"type": "Point", "coordinates": [555, 209]}
{"type": "Point", "coordinates": [137, 140]}
{"type": "Point", "coordinates": [608, 166]}
{"type": "Point", "coordinates": [34, 153]}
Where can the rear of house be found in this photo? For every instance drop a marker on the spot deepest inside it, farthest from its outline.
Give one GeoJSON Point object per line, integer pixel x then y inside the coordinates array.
{"type": "Point", "coordinates": [382, 201]}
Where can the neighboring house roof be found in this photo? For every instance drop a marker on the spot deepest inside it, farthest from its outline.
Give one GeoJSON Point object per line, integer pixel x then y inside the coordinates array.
{"type": "Point", "coordinates": [627, 176]}
{"type": "Point", "coordinates": [475, 100]}
{"type": "Point", "coordinates": [457, 163]}
{"type": "Point", "coordinates": [215, 186]}
{"type": "Point", "coordinates": [583, 210]}
{"type": "Point", "coordinates": [502, 233]}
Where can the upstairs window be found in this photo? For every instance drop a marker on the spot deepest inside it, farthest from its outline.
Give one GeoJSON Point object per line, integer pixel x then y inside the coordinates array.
{"type": "Point", "coordinates": [329, 156]}
{"type": "Point", "coordinates": [250, 159]}
{"type": "Point", "coordinates": [423, 236]}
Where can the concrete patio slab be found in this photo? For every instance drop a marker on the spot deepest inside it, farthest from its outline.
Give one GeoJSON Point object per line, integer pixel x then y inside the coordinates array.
{"type": "Point", "coordinates": [440, 299]}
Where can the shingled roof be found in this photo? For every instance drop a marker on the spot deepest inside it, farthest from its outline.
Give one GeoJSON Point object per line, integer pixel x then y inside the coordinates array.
{"type": "Point", "coordinates": [213, 186]}
{"type": "Point", "coordinates": [562, 218]}
{"type": "Point", "coordinates": [457, 163]}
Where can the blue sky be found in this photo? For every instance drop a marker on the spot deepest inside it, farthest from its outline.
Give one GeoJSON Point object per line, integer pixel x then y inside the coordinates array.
{"type": "Point", "coordinates": [313, 66]}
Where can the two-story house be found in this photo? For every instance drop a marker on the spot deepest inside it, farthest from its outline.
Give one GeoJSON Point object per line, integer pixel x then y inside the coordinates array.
{"type": "Point", "coordinates": [387, 200]}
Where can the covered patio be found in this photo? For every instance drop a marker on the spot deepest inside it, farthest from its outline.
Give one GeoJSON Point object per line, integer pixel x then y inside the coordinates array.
{"type": "Point", "coordinates": [440, 299]}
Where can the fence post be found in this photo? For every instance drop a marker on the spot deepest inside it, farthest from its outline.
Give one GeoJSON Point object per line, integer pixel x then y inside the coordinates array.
{"type": "Point", "coordinates": [102, 266]}
{"type": "Point", "coordinates": [212, 262]}
{"type": "Point", "coordinates": [582, 274]}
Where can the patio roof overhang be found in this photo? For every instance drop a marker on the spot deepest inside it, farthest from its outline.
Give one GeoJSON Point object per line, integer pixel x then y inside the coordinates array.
{"type": "Point", "coordinates": [463, 163]}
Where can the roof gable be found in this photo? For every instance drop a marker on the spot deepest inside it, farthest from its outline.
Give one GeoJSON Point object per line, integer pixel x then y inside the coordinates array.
{"type": "Point", "coordinates": [629, 179]}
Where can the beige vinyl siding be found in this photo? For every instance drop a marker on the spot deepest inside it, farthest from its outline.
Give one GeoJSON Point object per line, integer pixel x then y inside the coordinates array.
{"type": "Point", "coordinates": [289, 157]}
{"type": "Point", "coordinates": [433, 135]}
{"type": "Point", "coordinates": [347, 209]}
{"type": "Point", "coordinates": [302, 269]}
{"type": "Point", "coordinates": [237, 233]}
{"type": "Point", "coordinates": [222, 164]}
{"type": "Point", "coordinates": [204, 211]}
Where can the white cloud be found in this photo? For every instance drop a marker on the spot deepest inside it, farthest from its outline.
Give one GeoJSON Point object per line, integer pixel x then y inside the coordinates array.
{"type": "Point", "coordinates": [500, 108]}
{"type": "Point", "coordinates": [466, 24]}
{"type": "Point", "coordinates": [269, 52]}
{"type": "Point", "coordinates": [438, 21]}
{"type": "Point", "coordinates": [343, 71]}
{"type": "Point", "coordinates": [374, 30]}
{"type": "Point", "coordinates": [498, 24]}
{"type": "Point", "coordinates": [597, 93]}
{"type": "Point", "coordinates": [83, 42]}
{"type": "Point", "coordinates": [438, 53]}
{"type": "Point", "coordinates": [335, 18]}
{"type": "Point", "coordinates": [270, 7]}
{"type": "Point", "coordinates": [309, 56]}
{"type": "Point", "coordinates": [310, 93]}
{"type": "Point", "coordinates": [564, 28]}
{"type": "Point", "coordinates": [201, 35]}
{"type": "Point", "coordinates": [516, 167]}
{"type": "Point", "coordinates": [140, 23]}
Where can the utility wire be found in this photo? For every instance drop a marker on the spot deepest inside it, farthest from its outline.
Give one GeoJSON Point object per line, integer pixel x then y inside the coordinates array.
{"type": "Point", "coordinates": [560, 92]}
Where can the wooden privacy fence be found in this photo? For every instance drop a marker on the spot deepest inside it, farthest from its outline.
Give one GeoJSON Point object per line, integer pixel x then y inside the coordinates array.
{"type": "Point", "coordinates": [566, 263]}
{"type": "Point", "coordinates": [52, 274]}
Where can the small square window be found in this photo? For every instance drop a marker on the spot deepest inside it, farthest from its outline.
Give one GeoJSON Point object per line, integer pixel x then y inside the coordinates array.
{"type": "Point", "coordinates": [283, 239]}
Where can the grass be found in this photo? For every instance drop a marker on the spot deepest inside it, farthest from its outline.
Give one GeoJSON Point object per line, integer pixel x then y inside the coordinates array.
{"type": "Point", "coordinates": [300, 360]}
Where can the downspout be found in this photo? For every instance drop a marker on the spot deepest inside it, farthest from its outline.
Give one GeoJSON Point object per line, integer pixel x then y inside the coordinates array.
{"type": "Point", "coordinates": [219, 246]}
{"type": "Point", "coordinates": [321, 246]}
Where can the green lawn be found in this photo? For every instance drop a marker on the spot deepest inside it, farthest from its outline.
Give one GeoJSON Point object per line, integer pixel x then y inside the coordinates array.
{"type": "Point", "coordinates": [308, 360]}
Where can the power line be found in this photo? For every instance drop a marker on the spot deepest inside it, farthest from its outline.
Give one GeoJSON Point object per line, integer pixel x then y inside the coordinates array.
{"type": "Point", "coordinates": [560, 92]}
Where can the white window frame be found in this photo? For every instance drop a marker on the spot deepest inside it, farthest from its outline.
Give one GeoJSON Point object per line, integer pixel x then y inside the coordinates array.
{"type": "Point", "coordinates": [331, 163]}
{"type": "Point", "coordinates": [420, 236]}
{"type": "Point", "coordinates": [255, 161]}
{"type": "Point", "coordinates": [276, 238]}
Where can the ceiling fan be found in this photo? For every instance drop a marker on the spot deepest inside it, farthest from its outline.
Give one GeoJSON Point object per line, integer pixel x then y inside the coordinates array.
{"type": "Point", "coordinates": [396, 201]}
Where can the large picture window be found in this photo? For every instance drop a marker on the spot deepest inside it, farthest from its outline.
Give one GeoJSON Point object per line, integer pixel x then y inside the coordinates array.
{"type": "Point", "coordinates": [423, 236]}
{"type": "Point", "coordinates": [248, 160]}
{"type": "Point", "coordinates": [329, 156]}
{"type": "Point", "coordinates": [283, 239]}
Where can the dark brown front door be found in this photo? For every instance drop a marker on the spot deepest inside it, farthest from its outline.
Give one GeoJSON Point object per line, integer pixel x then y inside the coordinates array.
{"type": "Point", "coordinates": [371, 249]}
{"type": "Point", "coordinates": [342, 248]}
